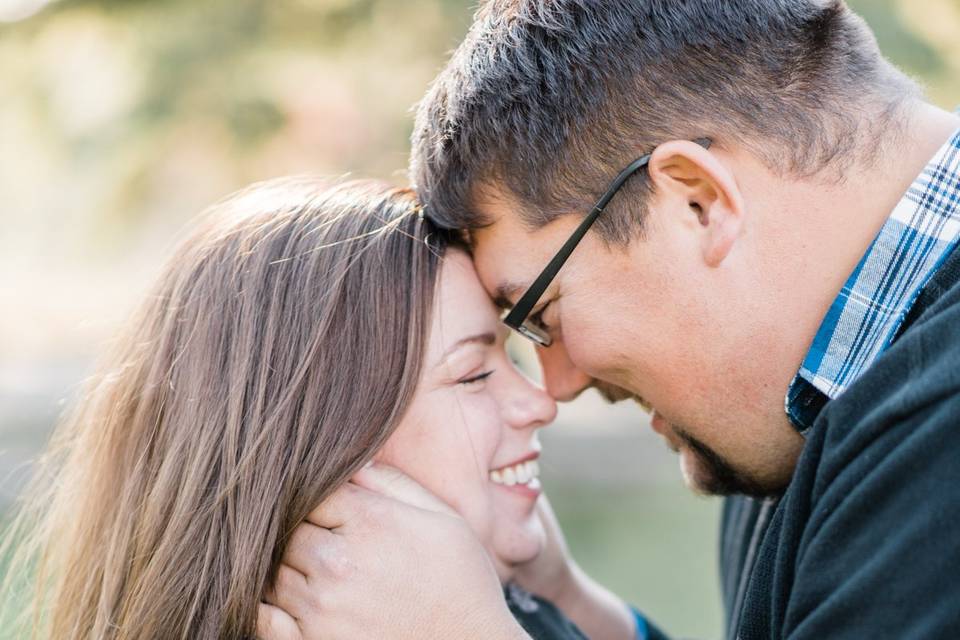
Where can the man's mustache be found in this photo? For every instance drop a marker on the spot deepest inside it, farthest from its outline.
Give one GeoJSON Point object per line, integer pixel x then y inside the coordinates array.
{"type": "Point", "coordinates": [612, 393]}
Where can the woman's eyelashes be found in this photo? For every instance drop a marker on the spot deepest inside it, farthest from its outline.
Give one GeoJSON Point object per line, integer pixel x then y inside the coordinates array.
{"type": "Point", "coordinates": [475, 379]}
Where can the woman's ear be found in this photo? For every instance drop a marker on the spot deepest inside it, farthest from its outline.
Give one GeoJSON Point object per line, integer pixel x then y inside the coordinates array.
{"type": "Point", "coordinates": [689, 178]}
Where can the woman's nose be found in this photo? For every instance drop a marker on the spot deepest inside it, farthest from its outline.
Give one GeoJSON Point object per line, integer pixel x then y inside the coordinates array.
{"type": "Point", "coordinates": [562, 379]}
{"type": "Point", "coordinates": [529, 405]}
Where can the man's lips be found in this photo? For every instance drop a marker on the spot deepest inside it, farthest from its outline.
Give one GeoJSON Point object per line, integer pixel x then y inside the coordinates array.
{"type": "Point", "coordinates": [658, 423]}
{"type": "Point", "coordinates": [612, 393]}
{"type": "Point", "coordinates": [661, 426]}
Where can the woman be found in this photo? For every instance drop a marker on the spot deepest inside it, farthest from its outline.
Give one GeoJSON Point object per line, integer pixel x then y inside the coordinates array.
{"type": "Point", "coordinates": [296, 334]}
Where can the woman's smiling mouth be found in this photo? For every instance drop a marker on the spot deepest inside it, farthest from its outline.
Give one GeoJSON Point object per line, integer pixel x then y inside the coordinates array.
{"type": "Point", "coordinates": [522, 476]}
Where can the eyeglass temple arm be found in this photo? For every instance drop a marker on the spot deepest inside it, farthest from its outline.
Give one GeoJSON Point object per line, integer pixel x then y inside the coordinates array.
{"type": "Point", "coordinates": [529, 299]}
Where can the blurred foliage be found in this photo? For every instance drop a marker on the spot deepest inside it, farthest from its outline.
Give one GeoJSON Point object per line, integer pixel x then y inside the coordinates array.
{"type": "Point", "coordinates": [911, 51]}
{"type": "Point", "coordinates": [121, 119]}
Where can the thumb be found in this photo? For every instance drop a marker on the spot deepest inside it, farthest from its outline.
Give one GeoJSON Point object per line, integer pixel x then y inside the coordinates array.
{"type": "Point", "coordinates": [393, 483]}
{"type": "Point", "coordinates": [273, 623]}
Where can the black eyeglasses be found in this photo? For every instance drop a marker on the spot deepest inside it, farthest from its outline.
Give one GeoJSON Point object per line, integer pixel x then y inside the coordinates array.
{"type": "Point", "coordinates": [518, 318]}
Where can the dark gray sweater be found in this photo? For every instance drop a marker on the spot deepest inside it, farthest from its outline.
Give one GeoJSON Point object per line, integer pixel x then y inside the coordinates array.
{"type": "Point", "coordinates": [865, 543]}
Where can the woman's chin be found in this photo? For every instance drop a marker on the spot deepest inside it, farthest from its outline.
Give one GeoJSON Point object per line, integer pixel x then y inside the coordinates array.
{"type": "Point", "coordinates": [518, 543]}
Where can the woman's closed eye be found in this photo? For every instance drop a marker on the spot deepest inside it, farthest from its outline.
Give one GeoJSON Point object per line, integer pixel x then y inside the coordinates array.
{"type": "Point", "coordinates": [475, 379]}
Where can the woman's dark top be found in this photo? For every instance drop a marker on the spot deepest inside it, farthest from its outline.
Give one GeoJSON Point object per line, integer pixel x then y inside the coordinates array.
{"type": "Point", "coordinates": [539, 618]}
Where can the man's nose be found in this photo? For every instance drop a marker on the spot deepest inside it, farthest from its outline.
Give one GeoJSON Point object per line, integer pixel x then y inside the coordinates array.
{"type": "Point", "coordinates": [561, 378]}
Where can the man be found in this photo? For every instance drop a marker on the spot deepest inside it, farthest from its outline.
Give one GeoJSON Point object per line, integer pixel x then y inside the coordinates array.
{"type": "Point", "coordinates": [771, 267]}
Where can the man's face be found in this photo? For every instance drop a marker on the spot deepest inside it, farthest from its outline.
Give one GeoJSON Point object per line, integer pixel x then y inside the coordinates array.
{"type": "Point", "coordinates": [655, 322]}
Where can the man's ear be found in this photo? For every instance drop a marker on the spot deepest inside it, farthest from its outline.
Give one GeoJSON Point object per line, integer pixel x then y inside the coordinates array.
{"type": "Point", "coordinates": [694, 179]}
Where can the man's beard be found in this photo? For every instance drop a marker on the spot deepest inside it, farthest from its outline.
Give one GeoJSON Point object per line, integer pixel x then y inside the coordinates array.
{"type": "Point", "coordinates": [717, 476]}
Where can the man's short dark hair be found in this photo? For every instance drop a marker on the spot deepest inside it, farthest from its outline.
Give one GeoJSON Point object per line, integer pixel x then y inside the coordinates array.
{"type": "Point", "coordinates": [549, 99]}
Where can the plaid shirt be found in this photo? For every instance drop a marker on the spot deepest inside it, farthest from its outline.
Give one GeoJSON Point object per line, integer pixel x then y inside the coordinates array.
{"type": "Point", "coordinates": [863, 320]}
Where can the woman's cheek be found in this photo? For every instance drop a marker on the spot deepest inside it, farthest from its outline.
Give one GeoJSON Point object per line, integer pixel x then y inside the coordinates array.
{"type": "Point", "coordinates": [479, 421]}
{"type": "Point", "coordinates": [448, 443]}
{"type": "Point", "coordinates": [418, 446]}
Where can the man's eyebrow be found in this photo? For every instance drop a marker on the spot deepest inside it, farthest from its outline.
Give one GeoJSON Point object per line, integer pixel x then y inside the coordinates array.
{"type": "Point", "coordinates": [505, 292]}
{"type": "Point", "coordinates": [488, 338]}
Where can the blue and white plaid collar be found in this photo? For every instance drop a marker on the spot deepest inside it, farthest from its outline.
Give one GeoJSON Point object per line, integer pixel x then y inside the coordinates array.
{"type": "Point", "coordinates": [864, 318]}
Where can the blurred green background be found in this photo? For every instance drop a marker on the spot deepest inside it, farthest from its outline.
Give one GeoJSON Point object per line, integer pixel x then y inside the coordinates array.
{"type": "Point", "coordinates": [120, 119]}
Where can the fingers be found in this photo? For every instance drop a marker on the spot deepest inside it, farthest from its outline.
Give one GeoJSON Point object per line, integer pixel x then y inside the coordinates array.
{"type": "Point", "coordinates": [349, 502]}
{"type": "Point", "coordinates": [393, 483]}
{"type": "Point", "coordinates": [289, 591]}
{"type": "Point", "coordinates": [371, 493]}
{"type": "Point", "coordinates": [313, 550]}
{"type": "Point", "coordinates": [344, 567]}
{"type": "Point", "coordinates": [274, 623]}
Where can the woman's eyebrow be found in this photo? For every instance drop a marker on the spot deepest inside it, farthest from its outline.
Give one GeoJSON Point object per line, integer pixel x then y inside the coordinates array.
{"type": "Point", "coordinates": [488, 338]}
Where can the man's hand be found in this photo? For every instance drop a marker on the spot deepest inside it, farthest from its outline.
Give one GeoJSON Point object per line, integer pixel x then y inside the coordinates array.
{"type": "Point", "coordinates": [384, 558]}
{"type": "Point", "coordinates": [554, 576]}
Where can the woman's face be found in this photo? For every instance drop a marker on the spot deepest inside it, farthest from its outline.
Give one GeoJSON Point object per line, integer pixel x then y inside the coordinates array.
{"type": "Point", "coordinates": [470, 435]}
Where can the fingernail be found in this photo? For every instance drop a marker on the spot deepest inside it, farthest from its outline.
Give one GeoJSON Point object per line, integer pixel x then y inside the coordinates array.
{"type": "Point", "coordinates": [368, 464]}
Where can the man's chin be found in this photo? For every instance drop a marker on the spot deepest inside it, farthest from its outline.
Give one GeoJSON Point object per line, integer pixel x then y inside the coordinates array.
{"type": "Point", "coordinates": [697, 478]}
{"type": "Point", "coordinates": [707, 478]}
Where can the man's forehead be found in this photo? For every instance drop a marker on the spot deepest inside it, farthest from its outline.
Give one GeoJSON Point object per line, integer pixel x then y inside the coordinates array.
{"type": "Point", "coordinates": [493, 270]}
{"type": "Point", "coordinates": [508, 254]}
{"type": "Point", "coordinates": [497, 257]}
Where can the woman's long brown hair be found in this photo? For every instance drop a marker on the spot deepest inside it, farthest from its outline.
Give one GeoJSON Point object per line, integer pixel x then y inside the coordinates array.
{"type": "Point", "coordinates": [276, 354]}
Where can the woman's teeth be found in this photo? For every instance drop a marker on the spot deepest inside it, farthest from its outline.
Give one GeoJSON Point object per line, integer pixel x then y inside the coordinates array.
{"type": "Point", "coordinates": [522, 473]}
